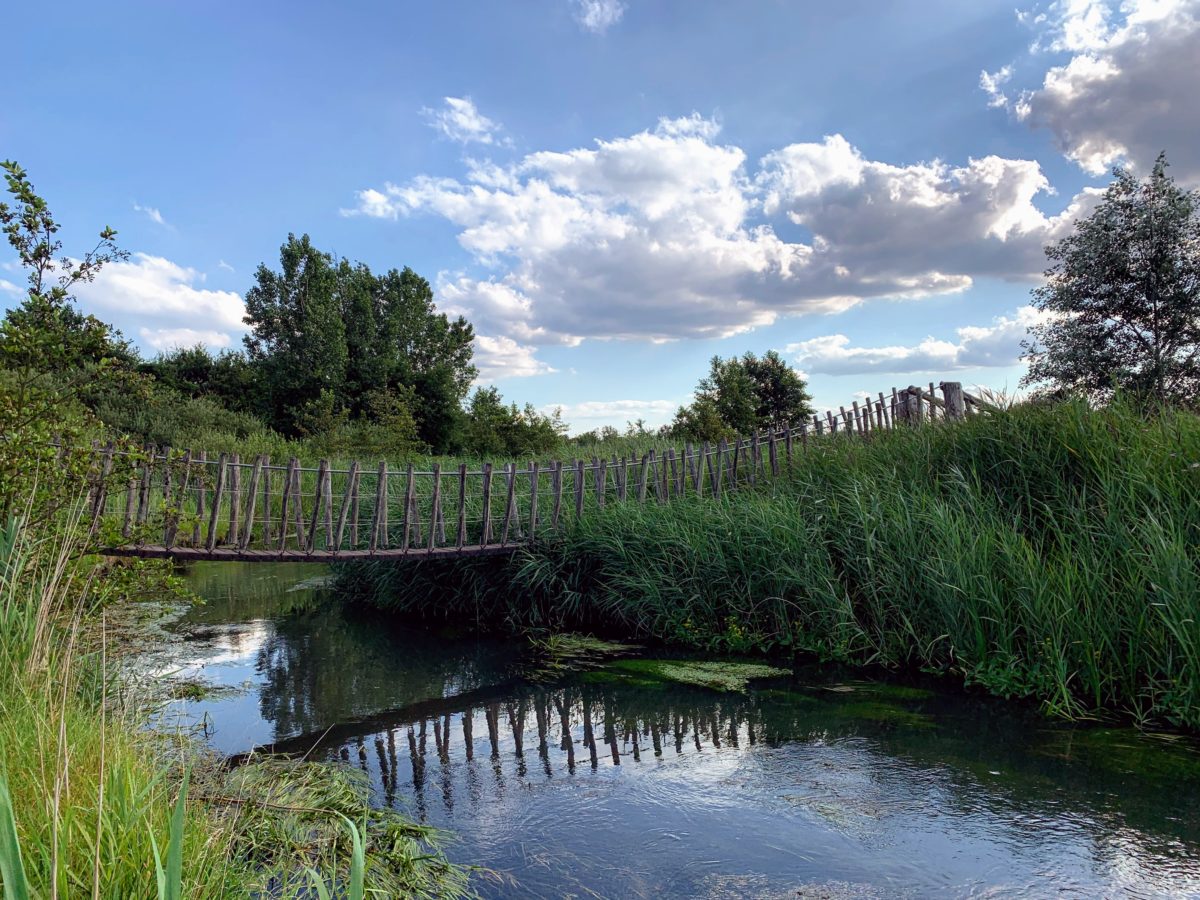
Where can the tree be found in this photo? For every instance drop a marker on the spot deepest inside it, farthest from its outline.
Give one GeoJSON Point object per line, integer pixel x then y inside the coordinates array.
{"type": "Point", "coordinates": [1122, 297]}
{"type": "Point", "coordinates": [494, 429]}
{"type": "Point", "coordinates": [49, 351]}
{"type": "Point", "coordinates": [742, 394]}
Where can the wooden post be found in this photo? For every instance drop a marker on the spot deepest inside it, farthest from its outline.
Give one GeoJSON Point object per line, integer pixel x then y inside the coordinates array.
{"type": "Point", "coordinates": [409, 510]}
{"type": "Point", "coordinates": [956, 404]}
{"type": "Point", "coordinates": [144, 489]}
{"type": "Point", "coordinates": [804, 435]}
{"type": "Point", "coordinates": [773, 453]}
{"type": "Point", "coordinates": [461, 537]}
{"type": "Point", "coordinates": [714, 478]}
{"type": "Point", "coordinates": [218, 492]}
{"type": "Point", "coordinates": [101, 498]}
{"type": "Point", "coordinates": [235, 497]}
{"type": "Point", "coordinates": [578, 489]}
{"type": "Point", "coordinates": [509, 503]}
{"type": "Point", "coordinates": [787, 444]}
{"type": "Point", "coordinates": [266, 501]}
{"type": "Point", "coordinates": [200, 491]}
{"type": "Point", "coordinates": [932, 407]}
{"type": "Point", "coordinates": [860, 424]}
{"type": "Point", "coordinates": [130, 490]}
{"type": "Point", "coordinates": [377, 514]}
{"type": "Point", "coordinates": [912, 403]}
{"type": "Point", "coordinates": [486, 535]}
{"type": "Point", "coordinates": [251, 502]}
{"type": "Point", "coordinates": [601, 482]}
{"type": "Point", "coordinates": [318, 499]}
{"type": "Point", "coordinates": [817, 425]}
{"type": "Point", "coordinates": [328, 500]}
{"type": "Point", "coordinates": [298, 506]}
{"type": "Point", "coordinates": [556, 488]}
{"type": "Point", "coordinates": [347, 504]}
{"type": "Point", "coordinates": [645, 468]}
{"type": "Point", "coordinates": [533, 498]}
{"type": "Point", "coordinates": [435, 505]}
{"type": "Point", "coordinates": [176, 510]}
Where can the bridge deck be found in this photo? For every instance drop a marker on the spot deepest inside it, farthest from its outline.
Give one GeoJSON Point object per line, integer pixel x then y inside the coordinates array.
{"type": "Point", "coordinates": [234, 554]}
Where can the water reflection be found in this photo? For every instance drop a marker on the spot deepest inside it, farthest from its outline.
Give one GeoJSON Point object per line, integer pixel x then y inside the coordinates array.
{"type": "Point", "coordinates": [592, 786]}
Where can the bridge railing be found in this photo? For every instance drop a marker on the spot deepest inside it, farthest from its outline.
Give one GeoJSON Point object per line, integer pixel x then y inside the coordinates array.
{"type": "Point", "coordinates": [169, 502]}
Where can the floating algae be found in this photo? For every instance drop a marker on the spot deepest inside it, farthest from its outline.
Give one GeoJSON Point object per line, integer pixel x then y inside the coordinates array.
{"type": "Point", "coordinates": [559, 654]}
{"type": "Point", "coordinates": [718, 676]}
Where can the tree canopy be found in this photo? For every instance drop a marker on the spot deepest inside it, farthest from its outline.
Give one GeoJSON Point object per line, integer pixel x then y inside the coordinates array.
{"type": "Point", "coordinates": [741, 394]}
{"type": "Point", "coordinates": [1122, 297]}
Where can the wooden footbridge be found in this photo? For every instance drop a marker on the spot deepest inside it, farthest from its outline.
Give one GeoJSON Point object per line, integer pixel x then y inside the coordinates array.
{"type": "Point", "coordinates": [179, 504]}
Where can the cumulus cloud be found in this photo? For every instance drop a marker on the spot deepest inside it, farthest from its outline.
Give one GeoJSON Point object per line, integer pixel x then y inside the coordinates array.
{"type": "Point", "coordinates": [1126, 88]}
{"type": "Point", "coordinates": [460, 120]}
{"type": "Point", "coordinates": [597, 16]}
{"type": "Point", "coordinates": [7, 287]}
{"type": "Point", "coordinates": [670, 233]}
{"type": "Point", "coordinates": [169, 296]}
{"type": "Point", "coordinates": [595, 413]}
{"type": "Point", "coordinates": [987, 346]}
{"type": "Point", "coordinates": [502, 357]}
{"type": "Point", "coordinates": [170, 338]}
{"type": "Point", "coordinates": [152, 214]}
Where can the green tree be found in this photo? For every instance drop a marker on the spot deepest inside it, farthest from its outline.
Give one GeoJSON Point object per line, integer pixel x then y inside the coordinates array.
{"type": "Point", "coordinates": [49, 351]}
{"type": "Point", "coordinates": [741, 394]}
{"type": "Point", "coordinates": [495, 429]}
{"type": "Point", "coordinates": [1122, 297]}
{"type": "Point", "coordinates": [298, 338]}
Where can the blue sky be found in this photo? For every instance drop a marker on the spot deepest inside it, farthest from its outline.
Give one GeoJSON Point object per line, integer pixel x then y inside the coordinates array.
{"type": "Point", "coordinates": [611, 191]}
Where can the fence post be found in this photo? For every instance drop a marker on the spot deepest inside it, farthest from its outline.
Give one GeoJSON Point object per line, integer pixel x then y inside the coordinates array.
{"type": "Point", "coordinates": [956, 404]}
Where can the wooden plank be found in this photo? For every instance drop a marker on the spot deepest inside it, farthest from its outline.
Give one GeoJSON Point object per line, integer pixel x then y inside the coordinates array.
{"type": "Point", "coordinates": [533, 499]}
{"type": "Point", "coordinates": [509, 503]}
{"type": "Point", "coordinates": [377, 514]}
{"type": "Point", "coordinates": [218, 493]}
{"type": "Point", "coordinates": [461, 538]}
{"type": "Point", "coordinates": [556, 488]}
{"type": "Point", "coordinates": [435, 505]}
{"type": "Point", "coordinates": [642, 472]}
{"type": "Point", "coordinates": [234, 554]}
{"type": "Point", "coordinates": [486, 534]}
{"type": "Point", "coordinates": [347, 503]}
{"type": "Point", "coordinates": [318, 501]}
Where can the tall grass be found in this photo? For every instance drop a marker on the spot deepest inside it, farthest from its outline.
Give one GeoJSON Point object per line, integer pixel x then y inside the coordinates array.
{"type": "Point", "coordinates": [92, 804]}
{"type": "Point", "coordinates": [1047, 552]}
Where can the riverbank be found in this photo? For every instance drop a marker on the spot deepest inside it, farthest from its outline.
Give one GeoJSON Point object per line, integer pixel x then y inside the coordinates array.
{"type": "Point", "coordinates": [93, 803]}
{"type": "Point", "coordinates": [1046, 552]}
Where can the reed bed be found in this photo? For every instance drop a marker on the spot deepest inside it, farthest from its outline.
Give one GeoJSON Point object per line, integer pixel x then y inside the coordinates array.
{"type": "Point", "coordinates": [1045, 552]}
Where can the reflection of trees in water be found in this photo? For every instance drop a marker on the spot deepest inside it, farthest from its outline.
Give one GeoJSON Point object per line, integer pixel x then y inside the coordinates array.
{"type": "Point", "coordinates": [332, 664]}
{"type": "Point", "coordinates": [536, 733]}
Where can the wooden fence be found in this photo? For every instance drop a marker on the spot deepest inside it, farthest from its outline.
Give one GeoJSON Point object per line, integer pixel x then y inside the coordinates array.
{"type": "Point", "coordinates": [163, 502]}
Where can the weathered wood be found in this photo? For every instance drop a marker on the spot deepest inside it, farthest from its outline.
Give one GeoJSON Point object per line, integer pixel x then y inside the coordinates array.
{"type": "Point", "coordinates": [773, 453]}
{"type": "Point", "coordinates": [218, 493]}
{"type": "Point", "coordinates": [354, 505]}
{"type": "Point", "coordinates": [643, 471]}
{"type": "Point", "coordinates": [435, 505]}
{"type": "Point", "coordinates": [130, 491]}
{"type": "Point", "coordinates": [298, 507]}
{"type": "Point", "coordinates": [177, 508]}
{"type": "Point", "coordinates": [201, 489]}
{"type": "Point", "coordinates": [144, 491]}
{"type": "Point", "coordinates": [235, 496]}
{"type": "Point", "coordinates": [714, 478]}
{"type": "Point", "coordinates": [556, 489]}
{"type": "Point", "coordinates": [578, 489]}
{"type": "Point", "coordinates": [486, 527]}
{"type": "Point", "coordinates": [621, 471]}
{"type": "Point", "coordinates": [787, 444]}
{"type": "Point", "coordinates": [347, 505]}
{"type": "Point", "coordinates": [956, 404]}
{"type": "Point", "coordinates": [266, 501]}
{"type": "Point", "coordinates": [509, 503]}
{"type": "Point", "coordinates": [460, 538]}
{"type": "Point", "coordinates": [377, 514]}
{"type": "Point", "coordinates": [168, 505]}
{"type": "Point", "coordinates": [101, 496]}
{"type": "Point", "coordinates": [409, 512]}
{"type": "Point", "coordinates": [235, 554]}
{"type": "Point", "coordinates": [735, 462]}
{"type": "Point", "coordinates": [601, 482]}
{"type": "Point", "coordinates": [251, 502]}
{"type": "Point", "coordinates": [533, 499]}
{"type": "Point", "coordinates": [327, 499]}
{"type": "Point", "coordinates": [318, 500]}
{"type": "Point", "coordinates": [859, 424]}
{"type": "Point", "coordinates": [817, 425]}
{"type": "Point", "coordinates": [932, 403]}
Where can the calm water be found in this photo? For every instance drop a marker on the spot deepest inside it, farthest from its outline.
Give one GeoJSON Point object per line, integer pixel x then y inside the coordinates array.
{"type": "Point", "coordinates": [585, 787]}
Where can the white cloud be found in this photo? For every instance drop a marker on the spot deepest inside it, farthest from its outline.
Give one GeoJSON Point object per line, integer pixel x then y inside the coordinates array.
{"type": "Point", "coordinates": [1128, 88]}
{"type": "Point", "coordinates": [502, 357]}
{"type": "Point", "coordinates": [7, 287]}
{"type": "Point", "coordinates": [988, 346]}
{"type": "Point", "coordinates": [221, 264]}
{"type": "Point", "coordinates": [152, 214]}
{"type": "Point", "coordinates": [991, 83]}
{"type": "Point", "coordinates": [595, 413]}
{"type": "Point", "coordinates": [154, 288]}
{"type": "Point", "coordinates": [460, 120]}
{"type": "Point", "coordinates": [670, 233]}
{"type": "Point", "coordinates": [597, 16]}
{"type": "Point", "coordinates": [170, 338]}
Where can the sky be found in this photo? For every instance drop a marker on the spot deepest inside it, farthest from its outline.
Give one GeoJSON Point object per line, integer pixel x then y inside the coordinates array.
{"type": "Point", "coordinates": [612, 191]}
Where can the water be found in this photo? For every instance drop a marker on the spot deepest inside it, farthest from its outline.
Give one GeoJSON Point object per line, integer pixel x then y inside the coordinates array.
{"type": "Point", "coordinates": [808, 786]}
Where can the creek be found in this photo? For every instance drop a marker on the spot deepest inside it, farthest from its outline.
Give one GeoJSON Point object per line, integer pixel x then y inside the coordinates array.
{"type": "Point", "coordinates": [610, 783]}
